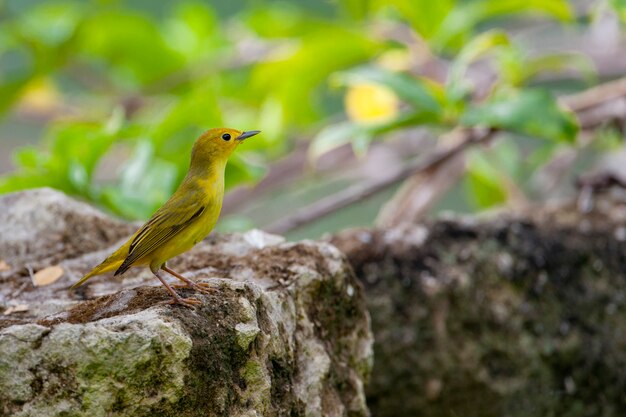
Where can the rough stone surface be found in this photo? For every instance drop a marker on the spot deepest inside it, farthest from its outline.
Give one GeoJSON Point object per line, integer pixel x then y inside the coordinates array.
{"type": "Point", "coordinates": [42, 226]}
{"type": "Point", "coordinates": [285, 333]}
{"type": "Point", "coordinates": [510, 316]}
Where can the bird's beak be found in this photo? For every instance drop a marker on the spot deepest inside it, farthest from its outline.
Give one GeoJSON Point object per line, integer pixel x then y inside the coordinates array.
{"type": "Point", "coordinates": [249, 133]}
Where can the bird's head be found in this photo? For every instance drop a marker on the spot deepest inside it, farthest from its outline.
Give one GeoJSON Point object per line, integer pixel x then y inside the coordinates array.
{"type": "Point", "coordinates": [216, 145]}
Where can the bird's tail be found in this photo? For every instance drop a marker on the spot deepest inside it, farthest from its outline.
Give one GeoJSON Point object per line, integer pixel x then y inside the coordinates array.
{"type": "Point", "coordinates": [111, 263]}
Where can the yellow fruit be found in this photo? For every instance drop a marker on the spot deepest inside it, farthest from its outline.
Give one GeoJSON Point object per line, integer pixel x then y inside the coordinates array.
{"type": "Point", "coordinates": [371, 103]}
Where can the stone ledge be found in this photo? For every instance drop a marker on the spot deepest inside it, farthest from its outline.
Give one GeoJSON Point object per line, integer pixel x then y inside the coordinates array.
{"type": "Point", "coordinates": [284, 333]}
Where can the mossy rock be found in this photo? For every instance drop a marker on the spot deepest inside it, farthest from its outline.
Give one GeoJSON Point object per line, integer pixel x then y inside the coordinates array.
{"type": "Point", "coordinates": [272, 339]}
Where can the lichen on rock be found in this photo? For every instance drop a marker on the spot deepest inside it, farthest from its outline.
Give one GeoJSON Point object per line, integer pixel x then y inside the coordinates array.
{"type": "Point", "coordinates": [129, 362]}
{"type": "Point", "coordinates": [285, 333]}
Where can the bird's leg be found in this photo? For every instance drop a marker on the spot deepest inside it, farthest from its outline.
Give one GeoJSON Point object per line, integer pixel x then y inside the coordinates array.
{"type": "Point", "coordinates": [200, 287]}
{"type": "Point", "coordinates": [176, 299]}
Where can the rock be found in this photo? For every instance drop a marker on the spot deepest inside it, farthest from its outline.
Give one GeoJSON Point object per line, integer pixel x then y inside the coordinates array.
{"type": "Point", "coordinates": [285, 333]}
{"type": "Point", "coordinates": [508, 315]}
{"type": "Point", "coordinates": [41, 225]}
{"type": "Point", "coordinates": [132, 363]}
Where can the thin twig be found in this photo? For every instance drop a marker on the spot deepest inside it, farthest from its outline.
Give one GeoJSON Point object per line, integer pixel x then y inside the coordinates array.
{"type": "Point", "coordinates": [594, 96]}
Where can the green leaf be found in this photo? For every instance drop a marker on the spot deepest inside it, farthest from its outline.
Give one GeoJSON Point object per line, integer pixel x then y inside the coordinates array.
{"type": "Point", "coordinates": [467, 15]}
{"type": "Point", "coordinates": [78, 177]}
{"type": "Point", "coordinates": [335, 136]}
{"type": "Point", "coordinates": [82, 143]}
{"type": "Point", "coordinates": [50, 23]}
{"type": "Point", "coordinates": [20, 181]}
{"type": "Point", "coordinates": [279, 20]}
{"type": "Point", "coordinates": [478, 47]}
{"type": "Point", "coordinates": [297, 76]}
{"type": "Point", "coordinates": [426, 16]}
{"type": "Point", "coordinates": [510, 65]}
{"type": "Point", "coordinates": [74, 152]}
{"type": "Point", "coordinates": [529, 112]}
{"type": "Point", "coordinates": [484, 182]}
{"type": "Point", "coordinates": [29, 158]}
{"type": "Point", "coordinates": [560, 62]}
{"type": "Point", "coordinates": [136, 51]}
{"type": "Point", "coordinates": [516, 69]}
{"type": "Point", "coordinates": [357, 8]}
{"type": "Point", "coordinates": [145, 183]}
{"type": "Point", "coordinates": [195, 32]}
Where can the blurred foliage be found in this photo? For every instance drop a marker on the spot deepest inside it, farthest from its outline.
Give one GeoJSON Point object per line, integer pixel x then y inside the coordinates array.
{"type": "Point", "coordinates": [459, 37]}
{"type": "Point", "coordinates": [167, 77]}
{"type": "Point", "coordinates": [131, 84]}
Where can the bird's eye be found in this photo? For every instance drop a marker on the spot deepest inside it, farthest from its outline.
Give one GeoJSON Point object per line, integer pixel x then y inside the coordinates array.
{"type": "Point", "coordinates": [226, 136]}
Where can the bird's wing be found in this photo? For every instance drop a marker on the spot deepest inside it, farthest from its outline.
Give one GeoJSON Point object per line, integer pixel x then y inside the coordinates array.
{"type": "Point", "coordinates": [166, 223]}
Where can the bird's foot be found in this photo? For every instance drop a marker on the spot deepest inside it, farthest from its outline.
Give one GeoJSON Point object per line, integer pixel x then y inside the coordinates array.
{"type": "Point", "coordinates": [187, 302]}
{"type": "Point", "coordinates": [202, 287]}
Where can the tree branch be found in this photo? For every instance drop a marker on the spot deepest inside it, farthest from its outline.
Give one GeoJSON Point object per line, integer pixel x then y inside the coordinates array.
{"type": "Point", "coordinates": [359, 192]}
{"type": "Point", "coordinates": [595, 95]}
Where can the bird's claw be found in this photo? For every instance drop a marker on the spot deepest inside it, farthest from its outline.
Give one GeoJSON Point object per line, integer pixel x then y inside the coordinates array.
{"type": "Point", "coordinates": [202, 287]}
{"type": "Point", "coordinates": [187, 302]}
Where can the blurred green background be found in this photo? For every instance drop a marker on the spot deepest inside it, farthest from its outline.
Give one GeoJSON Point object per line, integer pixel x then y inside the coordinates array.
{"type": "Point", "coordinates": [103, 99]}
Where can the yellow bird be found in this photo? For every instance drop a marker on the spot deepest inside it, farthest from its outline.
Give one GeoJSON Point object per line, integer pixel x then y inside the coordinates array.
{"type": "Point", "coordinates": [185, 219]}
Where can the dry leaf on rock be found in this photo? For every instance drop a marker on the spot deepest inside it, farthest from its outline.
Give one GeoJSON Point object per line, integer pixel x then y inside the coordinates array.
{"type": "Point", "coordinates": [47, 276]}
{"type": "Point", "coordinates": [20, 308]}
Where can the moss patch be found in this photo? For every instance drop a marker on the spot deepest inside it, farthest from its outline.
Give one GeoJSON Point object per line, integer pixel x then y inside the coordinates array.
{"type": "Point", "coordinates": [502, 317]}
